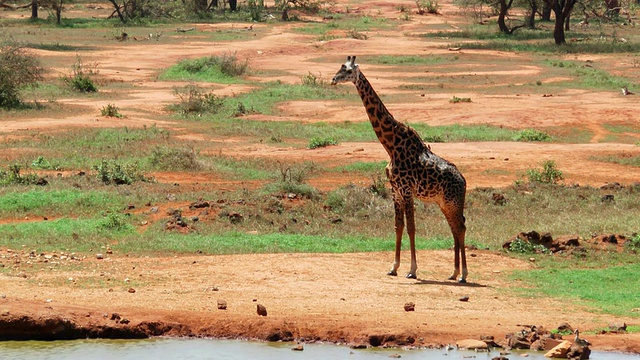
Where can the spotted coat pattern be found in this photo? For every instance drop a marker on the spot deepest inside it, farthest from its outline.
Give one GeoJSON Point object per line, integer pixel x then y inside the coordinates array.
{"type": "Point", "coordinates": [413, 171]}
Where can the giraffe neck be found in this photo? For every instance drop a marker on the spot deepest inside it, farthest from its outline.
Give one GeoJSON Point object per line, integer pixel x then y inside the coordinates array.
{"type": "Point", "coordinates": [384, 125]}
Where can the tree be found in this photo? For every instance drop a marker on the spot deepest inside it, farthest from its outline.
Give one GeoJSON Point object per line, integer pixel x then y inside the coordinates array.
{"type": "Point", "coordinates": [505, 5]}
{"type": "Point", "coordinates": [17, 68]}
{"type": "Point", "coordinates": [562, 10]}
{"type": "Point", "coordinates": [34, 9]}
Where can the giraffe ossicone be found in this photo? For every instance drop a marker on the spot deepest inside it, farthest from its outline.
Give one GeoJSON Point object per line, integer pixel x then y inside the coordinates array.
{"type": "Point", "coordinates": [413, 171]}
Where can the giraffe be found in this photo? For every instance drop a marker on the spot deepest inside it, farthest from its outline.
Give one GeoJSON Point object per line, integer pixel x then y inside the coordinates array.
{"type": "Point", "coordinates": [413, 171]}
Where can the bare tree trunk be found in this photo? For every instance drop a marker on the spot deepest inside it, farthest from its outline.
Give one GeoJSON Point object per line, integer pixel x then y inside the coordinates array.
{"type": "Point", "coordinates": [58, 9]}
{"type": "Point", "coordinates": [531, 21]}
{"type": "Point", "coordinates": [546, 12]}
{"type": "Point", "coordinates": [117, 8]}
{"type": "Point", "coordinates": [562, 10]}
{"type": "Point", "coordinates": [34, 9]}
{"type": "Point", "coordinates": [233, 5]}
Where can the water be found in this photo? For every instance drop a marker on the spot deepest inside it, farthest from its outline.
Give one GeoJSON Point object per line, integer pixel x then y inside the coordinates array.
{"type": "Point", "coordinates": [201, 349]}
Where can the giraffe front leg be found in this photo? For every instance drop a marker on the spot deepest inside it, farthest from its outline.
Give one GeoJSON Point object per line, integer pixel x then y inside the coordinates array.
{"type": "Point", "coordinates": [399, 226]}
{"type": "Point", "coordinates": [411, 230]}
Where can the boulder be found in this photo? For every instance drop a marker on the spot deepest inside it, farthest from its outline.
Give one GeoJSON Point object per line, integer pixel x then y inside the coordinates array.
{"type": "Point", "coordinates": [471, 344]}
{"type": "Point", "coordinates": [560, 351]}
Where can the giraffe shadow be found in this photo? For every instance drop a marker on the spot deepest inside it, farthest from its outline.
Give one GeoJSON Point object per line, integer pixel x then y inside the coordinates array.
{"type": "Point", "coordinates": [448, 283]}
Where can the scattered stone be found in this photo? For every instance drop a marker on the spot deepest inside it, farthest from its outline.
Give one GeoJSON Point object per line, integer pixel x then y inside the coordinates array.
{"type": "Point", "coordinates": [409, 306]}
{"type": "Point", "coordinates": [153, 210]}
{"type": "Point", "coordinates": [222, 305]}
{"type": "Point", "coordinates": [99, 256]}
{"type": "Point", "coordinates": [214, 288]}
{"type": "Point", "coordinates": [115, 317]}
{"type": "Point", "coordinates": [395, 356]}
{"type": "Point", "coordinates": [172, 197]}
{"type": "Point", "coordinates": [471, 344]}
{"type": "Point", "coordinates": [49, 300]}
{"type": "Point", "coordinates": [464, 299]}
{"type": "Point", "coordinates": [559, 351]}
{"type": "Point", "coordinates": [489, 340]}
{"type": "Point", "coordinates": [124, 321]}
{"type": "Point", "coordinates": [565, 327]}
{"type": "Point", "coordinates": [298, 348]}
{"type": "Point", "coordinates": [579, 350]}
{"type": "Point", "coordinates": [262, 311]}
{"type": "Point", "coordinates": [109, 251]}
{"type": "Point", "coordinates": [200, 204]}
{"type": "Point", "coordinates": [131, 290]}
{"type": "Point", "coordinates": [608, 199]}
{"type": "Point", "coordinates": [499, 199]}
{"type": "Point", "coordinates": [500, 358]}
{"type": "Point", "coordinates": [235, 218]}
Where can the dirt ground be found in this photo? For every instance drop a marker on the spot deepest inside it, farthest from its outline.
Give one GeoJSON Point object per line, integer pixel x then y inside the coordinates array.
{"type": "Point", "coordinates": [343, 298]}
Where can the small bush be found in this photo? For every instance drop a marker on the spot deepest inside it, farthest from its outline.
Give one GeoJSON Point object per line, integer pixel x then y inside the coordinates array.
{"type": "Point", "coordinates": [80, 77]}
{"type": "Point", "coordinates": [13, 177]}
{"type": "Point", "coordinates": [174, 159]}
{"type": "Point", "coordinates": [112, 172]}
{"type": "Point", "coordinates": [548, 175]}
{"type": "Point", "coordinates": [428, 7]}
{"type": "Point", "coordinates": [321, 142]}
{"type": "Point", "coordinates": [41, 163]}
{"type": "Point", "coordinates": [379, 186]}
{"type": "Point", "coordinates": [532, 135]}
{"type": "Point", "coordinates": [17, 68]}
{"type": "Point", "coordinates": [111, 111]}
{"type": "Point", "coordinates": [456, 100]}
{"type": "Point", "coordinates": [312, 80]}
{"type": "Point", "coordinates": [192, 100]}
{"type": "Point", "coordinates": [355, 34]}
{"type": "Point", "coordinates": [114, 221]}
{"type": "Point", "coordinates": [227, 64]}
{"type": "Point", "coordinates": [524, 247]}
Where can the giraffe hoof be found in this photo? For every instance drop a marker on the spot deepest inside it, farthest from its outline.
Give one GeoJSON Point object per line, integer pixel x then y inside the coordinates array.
{"type": "Point", "coordinates": [392, 273]}
{"type": "Point", "coordinates": [452, 277]}
{"type": "Point", "coordinates": [462, 281]}
{"type": "Point", "coordinates": [411, 276]}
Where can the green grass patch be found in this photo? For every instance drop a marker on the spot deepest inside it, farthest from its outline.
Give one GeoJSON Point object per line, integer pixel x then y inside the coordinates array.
{"type": "Point", "coordinates": [612, 290]}
{"type": "Point", "coordinates": [410, 59]}
{"type": "Point", "coordinates": [79, 235]}
{"type": "Point", "coordinates": [224, 69]}
{"type": "Point", "coordinates": [362, 167]}
{"type": "Point", "coordinates": [622, 159]}
{"type": "Point", "coordinates": [54, 203]}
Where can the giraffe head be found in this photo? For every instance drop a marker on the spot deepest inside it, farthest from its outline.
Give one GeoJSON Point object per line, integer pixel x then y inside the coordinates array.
{"type": "Point", "coordinates": [348, 72]}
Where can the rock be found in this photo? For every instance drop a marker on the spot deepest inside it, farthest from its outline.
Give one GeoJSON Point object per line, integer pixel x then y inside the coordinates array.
{"type": "Point", "coordinates": [500, 358]}
{"type": "Point", "coordinates": [499, 199]}
{"type": "Point", "coordinates": [489, 340]}
{"type": "Point", "coordinates": [131, 290]}
{"type": "Point", "coordinates": [464, 298]}
{"type": "Point", "coordinates": [199, 204]}
{"type": "Point", "coordinates": [99, 256]}
{"type": "Point", "coordinates": [222, 305]}
{"type": "Point", "coordinates": [124, 321]}
{"type": "Point", "coordinates": [559, 351]}
{"type": "Point", "coordinates": [565, 327]}
{"type": "Point", "coordinates": [409, 306]}
{"type": "Point", "coordinates": [298, 348]}
{"type": "Point", "coordinates": [471, 344]}
{"type": "Point", "coordinates": [395, 356]}
{"type": "Point", "coordinates": [262, 311]}
{"type": "Point", "coordinates": [115, 317]}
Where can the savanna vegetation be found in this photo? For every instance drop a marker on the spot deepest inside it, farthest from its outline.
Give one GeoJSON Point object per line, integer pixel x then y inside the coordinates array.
{"type": "Point", "coordinates": [107, 184]}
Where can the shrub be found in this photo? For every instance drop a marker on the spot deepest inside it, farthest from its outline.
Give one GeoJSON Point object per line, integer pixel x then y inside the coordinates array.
{"type": "Point", "coordinates": [41, 163]}
{"type": "Point", "coordinates": [532, 135]}
{"type": "Point", "coordinates": [193, 100]}
{"type": "Point", "coordinates": [427, 7]}
{"type": "Point", "coordinates": [456, 100]}
{"type": "Point", "coordinates": [80, 79]}
{"type": "Point", "coordinates": [111, 111]}
{"type": "Point", "coordinates": [113, 221]}
{"type": "Point", "coordinates": [355, 34]}
{"type": "Point", "coordinates": [321, 142]}
{"type": "Point", "coordinates": [312, 80]}
{"type": "Point", "coordinates": [174, 159]}
{"type": "Point", "coordinates": [548, 175]}
{"type": "Point", "coordinates": [13, 177]}
{"type": "Point", "coordinates": [17, 68]}
{"type": "Point", "coordinates": [379, 186]}
{"type": "Point", "coordinates": [524, 247]}
{"type": "Point", "coordinates": [112, 172]}
{"type": "Point", "coordinates": [227, 64]}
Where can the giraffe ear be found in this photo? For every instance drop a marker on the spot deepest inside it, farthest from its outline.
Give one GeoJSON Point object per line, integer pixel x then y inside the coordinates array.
{"type": "Point", "coordinates": [353, 60]}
